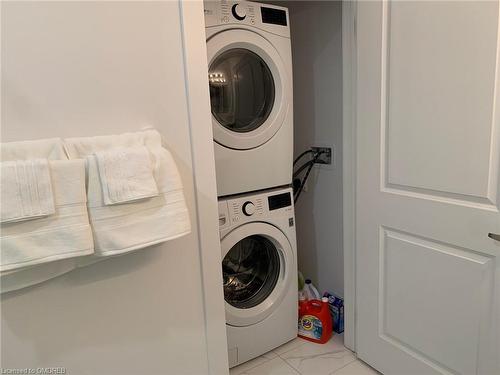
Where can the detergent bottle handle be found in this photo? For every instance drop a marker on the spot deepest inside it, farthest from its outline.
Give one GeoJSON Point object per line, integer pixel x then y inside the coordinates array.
{"type": "Point", "coordinates": [315, 305]}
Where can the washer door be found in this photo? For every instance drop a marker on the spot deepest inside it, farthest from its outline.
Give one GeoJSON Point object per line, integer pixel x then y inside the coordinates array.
{"type": "Point", "coordinates": [256, 265]}
{"type": "Point", "coordinates": [249, 89]}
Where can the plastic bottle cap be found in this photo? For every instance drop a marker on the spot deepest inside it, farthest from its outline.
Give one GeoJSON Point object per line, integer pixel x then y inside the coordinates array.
{"type": "Point", "coordinates": [324, 299]}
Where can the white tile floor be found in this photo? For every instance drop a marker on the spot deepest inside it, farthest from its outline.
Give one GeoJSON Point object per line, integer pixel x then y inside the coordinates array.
{"type": "Point", "coordinates": [306, 358]}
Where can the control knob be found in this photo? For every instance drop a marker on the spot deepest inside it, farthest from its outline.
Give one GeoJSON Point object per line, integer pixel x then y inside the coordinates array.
{"type": "Point", "coordinates": [248, 208]}
{"type": "Point", "coordinates": [238, 12]}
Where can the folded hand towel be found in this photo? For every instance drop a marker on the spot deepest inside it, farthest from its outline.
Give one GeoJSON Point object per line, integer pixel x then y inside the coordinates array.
{"type": "Point", "coordinates": [65, 234]}
{"type": "Point", "coordinates": [26, 190]}
{"type": "Point", "coordinates": [126, 174]}
{"type": "Point", "coordinates": [121, 228]}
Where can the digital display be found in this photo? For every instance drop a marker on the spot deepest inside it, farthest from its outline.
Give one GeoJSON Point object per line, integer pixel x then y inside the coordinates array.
{"type": "Point", "coordinates": [274, 16]}
{"type": "Point", "coordinates": [279, 201]}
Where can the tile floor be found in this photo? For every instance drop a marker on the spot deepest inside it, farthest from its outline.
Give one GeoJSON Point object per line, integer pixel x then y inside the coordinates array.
{"type": "Point", "coordinates": [306, 358]}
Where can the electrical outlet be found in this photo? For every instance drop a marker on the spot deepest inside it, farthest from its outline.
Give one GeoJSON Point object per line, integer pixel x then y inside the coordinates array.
{"type": "Point", "coordinates": [326, 155]}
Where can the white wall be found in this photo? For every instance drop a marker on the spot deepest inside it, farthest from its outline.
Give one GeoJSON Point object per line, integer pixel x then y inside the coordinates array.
{"type": "Point", "coordinates": [317, 65]}
{"type": "Point", "coordinates": [89, 68]}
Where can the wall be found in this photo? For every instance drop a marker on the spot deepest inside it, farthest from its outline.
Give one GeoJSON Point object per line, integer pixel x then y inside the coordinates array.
{"type": "Point", "coordinates": [89, 68]}
{"type": "Point", "coordinates": [317, 64]}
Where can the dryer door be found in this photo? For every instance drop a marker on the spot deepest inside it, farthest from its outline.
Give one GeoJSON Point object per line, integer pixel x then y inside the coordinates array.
{"type": "Point", "coordinates": [257, 264]}
{"type": "Point", "coordinates": [249, 89]}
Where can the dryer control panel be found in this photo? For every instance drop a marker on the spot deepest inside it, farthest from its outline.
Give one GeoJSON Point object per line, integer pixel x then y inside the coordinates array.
{"type": "Point", "coordinates": [240, 209]}
{"type": "Point", "coordinates": [266, 17]}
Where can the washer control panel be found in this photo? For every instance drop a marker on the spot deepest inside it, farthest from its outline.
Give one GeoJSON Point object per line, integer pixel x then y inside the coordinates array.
{"type": "Point", "coordinates": [242, 11]}
{"type": "Point", "coordinates": [237, 210]}
{"type": "Point", "coordinates": [227, 12]}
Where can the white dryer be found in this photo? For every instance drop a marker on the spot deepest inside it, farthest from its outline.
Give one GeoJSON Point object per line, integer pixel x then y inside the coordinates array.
{"type": "Point", "coordinates": [260, 272]}
{"type": "Point", "coordinates": [250, 78]}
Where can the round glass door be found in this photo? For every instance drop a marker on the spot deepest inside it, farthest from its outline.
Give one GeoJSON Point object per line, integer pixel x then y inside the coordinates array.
{"type": "Point", "coordinates": [258, 263]}
{"type": "Point", "coordinates": [250, 270]}
{"type": "Point", "coordinates": [250, 89]}
{"type": "Point", "coordinates": [242, 90]}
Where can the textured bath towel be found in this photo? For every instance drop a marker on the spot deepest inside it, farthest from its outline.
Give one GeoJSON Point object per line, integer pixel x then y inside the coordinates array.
{"type": "Point", "coordinates": [65, 234]}
{"type": "Point", "coordinates": [25, 190]}
{"type": "Point", "coordinates": [14, 279]}
{"type": "Point", "coordinates": [121, 228]}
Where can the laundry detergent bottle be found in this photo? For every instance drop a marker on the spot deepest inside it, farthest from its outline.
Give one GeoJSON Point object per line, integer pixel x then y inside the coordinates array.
{"type": "Point", "coordinates": [315, 321]}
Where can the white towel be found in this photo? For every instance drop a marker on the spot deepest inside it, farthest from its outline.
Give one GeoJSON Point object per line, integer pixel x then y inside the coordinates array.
{"type": "Point", "coordinates": [51, 149]}
{"type": "Point", "coordinates": [126, 174]}
{"type": "Point", "coordinates": [125, 227]}
{"type": "Point", "coordinates": [65, 234]}
{"type": "Point", "coordinates": [82, 147]}
{"type": "Point", "coordinates": [26, 190]}
{"type": "Point", "coordinates": [28, 276]}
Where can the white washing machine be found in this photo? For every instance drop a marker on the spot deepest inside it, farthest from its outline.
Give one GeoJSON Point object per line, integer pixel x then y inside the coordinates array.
{"type": "Point", "coordinates": [250, 78]}
{"type": "Point", "coordinates": [260, 272]}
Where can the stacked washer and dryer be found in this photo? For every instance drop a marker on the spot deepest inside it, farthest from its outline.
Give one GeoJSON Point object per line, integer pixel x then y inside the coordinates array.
{"type": "Point", "coordinates": [250, 78]}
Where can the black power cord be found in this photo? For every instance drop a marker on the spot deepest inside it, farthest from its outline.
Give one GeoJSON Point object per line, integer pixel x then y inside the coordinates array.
{"type": "Point", "coordinates": [299, 184]}
{"type": "Point", "coordinates": [302, 155]}
{"type": "Point", "coordinates": [302, 167]}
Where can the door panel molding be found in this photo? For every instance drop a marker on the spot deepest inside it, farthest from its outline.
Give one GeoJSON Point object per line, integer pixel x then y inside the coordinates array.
{"type": "Point", "coordinates": [399, 272]}
{"type": "Point", "coordinates": [486, 200]}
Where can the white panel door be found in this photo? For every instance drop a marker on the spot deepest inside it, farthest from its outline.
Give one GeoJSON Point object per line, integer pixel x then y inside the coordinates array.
{"type": "Point", "coordinates": [428, 195]}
